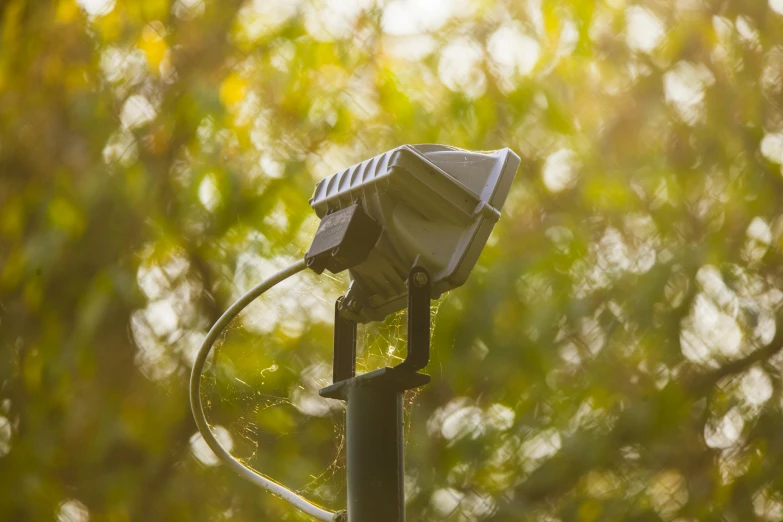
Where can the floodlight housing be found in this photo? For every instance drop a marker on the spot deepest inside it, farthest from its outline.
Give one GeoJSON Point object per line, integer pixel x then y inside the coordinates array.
{"type": "Point", "coordinates": [435, 207]}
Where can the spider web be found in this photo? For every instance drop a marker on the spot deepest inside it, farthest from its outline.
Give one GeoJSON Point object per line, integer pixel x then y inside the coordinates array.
{"type": "Point", "coordinates": [262, 384]}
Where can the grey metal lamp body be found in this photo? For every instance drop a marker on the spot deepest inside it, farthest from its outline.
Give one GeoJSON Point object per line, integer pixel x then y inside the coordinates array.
{"type": "Point", "coordinates": [437, 206]}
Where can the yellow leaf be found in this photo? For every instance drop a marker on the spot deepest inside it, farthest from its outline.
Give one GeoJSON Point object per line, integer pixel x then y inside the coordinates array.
{"type": "Point", "coordinates": [552, 23]}
{"type": "Point", "coordinates": [232, 90]}
{"type": "Point", "coordinates": [110, 25]}
{"type": "Point", "coordinates": [155, 9]}
{"type": "Point", "coordinates": [67, 11]}
{"type": "Point", "coordinates": [153, 45]}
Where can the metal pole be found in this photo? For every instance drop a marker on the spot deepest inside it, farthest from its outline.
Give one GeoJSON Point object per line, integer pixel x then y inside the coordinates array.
{"type": "Point", "coordinates": [375, 445]}
{"type": "Point", "coordinates": [374, 415]}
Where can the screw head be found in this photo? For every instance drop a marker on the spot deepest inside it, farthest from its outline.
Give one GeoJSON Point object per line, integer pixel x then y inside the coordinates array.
{"type": "Point", "coordinates": [420, 279]}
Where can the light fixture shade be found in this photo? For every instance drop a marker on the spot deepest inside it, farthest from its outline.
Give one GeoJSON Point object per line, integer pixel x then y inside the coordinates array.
{"type": "Point", "coordinates": [437, 206]}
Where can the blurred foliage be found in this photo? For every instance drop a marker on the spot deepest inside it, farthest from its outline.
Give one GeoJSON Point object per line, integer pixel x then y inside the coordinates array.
{"type": "Point", "coordinates": [615, 354]}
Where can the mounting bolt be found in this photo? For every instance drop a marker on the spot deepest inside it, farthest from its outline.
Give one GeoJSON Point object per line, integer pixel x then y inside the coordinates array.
{"type": "Point", "coordinates": [420, 279]}
{"type": "Point", "coordinates": [353, 305]}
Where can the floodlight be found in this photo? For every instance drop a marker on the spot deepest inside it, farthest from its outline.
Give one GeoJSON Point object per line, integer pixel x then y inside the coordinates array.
{"type": "Point", "coordinates": [435, 207]}
{"type": "Point", "coordinates": [408, 225]}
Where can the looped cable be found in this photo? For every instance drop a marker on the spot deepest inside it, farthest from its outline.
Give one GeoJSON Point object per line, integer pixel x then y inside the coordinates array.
{"type": "Point", "coordinates": [198, 410]}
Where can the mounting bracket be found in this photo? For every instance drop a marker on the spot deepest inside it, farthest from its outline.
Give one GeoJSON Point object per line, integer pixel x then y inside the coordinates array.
{"type": "Point", "coordinates": [418, 345]}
